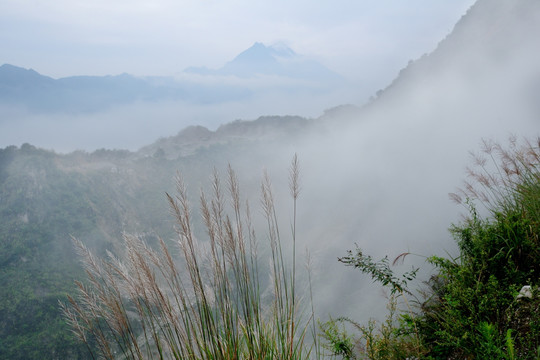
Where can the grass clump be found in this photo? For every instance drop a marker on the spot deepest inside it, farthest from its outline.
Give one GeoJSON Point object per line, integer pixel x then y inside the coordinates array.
{"type": "Point", "coordinates": [209, 303]}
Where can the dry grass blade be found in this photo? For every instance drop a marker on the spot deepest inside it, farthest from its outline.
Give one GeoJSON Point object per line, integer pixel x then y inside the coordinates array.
{"type": "Point", "coordinates": [400, 258]}
{"type": "Point", "coordinates": [491, 183]}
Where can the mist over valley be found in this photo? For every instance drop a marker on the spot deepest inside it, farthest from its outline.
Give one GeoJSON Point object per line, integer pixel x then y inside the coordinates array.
{"type": "Point", "coordinates": [128, 112]}
{"type": "Point", "coordinates": [92, 157]}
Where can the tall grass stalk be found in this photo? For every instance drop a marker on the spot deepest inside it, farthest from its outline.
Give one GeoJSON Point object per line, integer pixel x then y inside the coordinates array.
{"type": "Point", "coordinates": [502, 174]}
{"type": "Point", "coordinates": [209, 303]}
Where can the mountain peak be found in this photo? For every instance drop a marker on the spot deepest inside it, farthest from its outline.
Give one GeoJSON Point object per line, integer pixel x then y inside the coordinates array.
{"type": "Point", "coordinates": [12, 69]}
{"type": "Point", "coordinates": [279, 49]}
{"type": "Point", "coordinates": [13, 75]}
{"type": "Point", "coordinates": [257, 53]}
{"type": "Point", "coordinates": [274, 60]}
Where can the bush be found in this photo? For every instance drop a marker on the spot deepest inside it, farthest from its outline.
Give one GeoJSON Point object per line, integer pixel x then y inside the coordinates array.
{"type": "Point", "coordinates": [474, 306]}
{"type": "Point", "coordinates": [471, 308]}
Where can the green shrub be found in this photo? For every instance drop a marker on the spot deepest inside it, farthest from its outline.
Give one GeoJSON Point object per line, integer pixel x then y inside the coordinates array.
{"type": "Point", "coordinates": [471, 308]}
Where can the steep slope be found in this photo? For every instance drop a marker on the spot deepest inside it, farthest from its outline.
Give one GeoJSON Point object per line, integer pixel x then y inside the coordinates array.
{"type": "Point", "coordinates": [410, 146]}
{"type": "Point", "coordinates": [495, 43]}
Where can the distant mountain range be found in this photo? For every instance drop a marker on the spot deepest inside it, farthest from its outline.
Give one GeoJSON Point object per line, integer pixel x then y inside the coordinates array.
{"type": "Point", "coordinates": [40, 93]}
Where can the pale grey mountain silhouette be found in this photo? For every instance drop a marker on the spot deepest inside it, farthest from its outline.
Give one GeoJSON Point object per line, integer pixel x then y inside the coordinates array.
{"type": "Point", "coordinates": [39, 93]}
{"type": "Point", "coordinates": [75, 94]}
{"type": "Point", "coordinates": [277, 60]}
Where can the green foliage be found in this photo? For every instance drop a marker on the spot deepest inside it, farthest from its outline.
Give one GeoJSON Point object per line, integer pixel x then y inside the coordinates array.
{"type": "Point", "coordinates": [380, 271]}
{"type": "Point", "coordinates": [39, 208]}
{"type": "Point", "coordinates": [394, 338]}
{"type": "Point", "coordinates": [337, 339]}
{"type": "Point", "coordinates": [472, 308]}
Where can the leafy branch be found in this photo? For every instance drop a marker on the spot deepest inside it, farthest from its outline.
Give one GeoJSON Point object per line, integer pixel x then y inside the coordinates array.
{"type": "Point", "coordinates": [380, 271]}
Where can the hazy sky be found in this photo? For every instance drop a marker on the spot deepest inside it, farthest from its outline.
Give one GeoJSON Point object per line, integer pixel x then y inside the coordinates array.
{"type": "Point", "coordinates": [357, 38]}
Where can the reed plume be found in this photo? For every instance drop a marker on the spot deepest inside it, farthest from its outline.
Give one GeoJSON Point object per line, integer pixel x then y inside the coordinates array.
{"type": "Point", "coordinates": [205, 304]}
